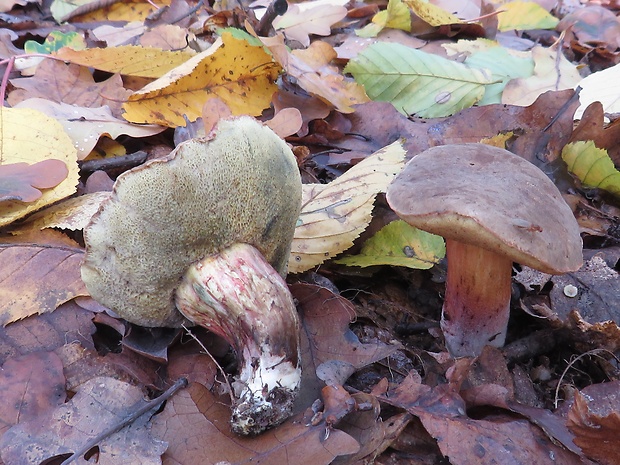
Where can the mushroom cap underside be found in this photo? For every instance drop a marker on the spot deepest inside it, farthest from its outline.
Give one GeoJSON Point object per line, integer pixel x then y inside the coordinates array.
{"type": "Point", "coordinates": [242, 186]}
{"type": "Point", "coordinates": [492, 198]}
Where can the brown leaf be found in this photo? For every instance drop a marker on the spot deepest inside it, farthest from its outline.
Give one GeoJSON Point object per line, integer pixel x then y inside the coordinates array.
{"type": "Point", "coordinates": [36, 279]}
{"type": "Point", "coordinates": [326, 336]}
{"type": "Point", "coordinates": [99, 404]}
{"type": "Point", "coordinates": [196, 427]}
{"type": "Point", "coordinates": [30, 384]}
{"type": "Point", "coordinates": [595, 419]}
{"type": "Point", "coordinates": [47, 332]}
{"type": "Point", "coordinates": [21, 181]}
{"type": "Point", "coordinates": [70, 84]}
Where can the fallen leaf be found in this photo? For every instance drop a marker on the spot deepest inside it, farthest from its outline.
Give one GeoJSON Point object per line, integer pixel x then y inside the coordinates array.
{"type": "Point", "coordinates": [196, 427]}
{"type": "Point", "coordinates": [399, 244]}
{"type": "Point", "coordinates": [132, 60]}
{"type": "Point", "coordinates": [31, 384]}
{"type": "Point", "coordinates": [286, 122]}
{"type": "Point", "coordinates": [36, 279]}
{"type": "Point", "coordinates": [592, 166]}
{"type": "Point", "coordinates": [311, 67]}
{"type": "Point", "coordinates": [594, 418]}
{"type": "Point", "coordinates": [85, 126]}
{"type": "Point", "coordinates": [98, 404]}
{"type": "Point", "coordinates": [396, 16]}
{"type": "Point", "coordinates": [312, 18]}
{"type": "Point", "coordinates": [431, 13]}
{"type": "Point", "coordinates": [240, 74]}
{"type": "Point", "coordinates": [30, 136]}
{"type": "Point", "coordinates": [69, 84]}
{"type": "Point", "coordinates": [602, 86]}
{"type": "Point", "coordinates": [520, 16]}
{"type": "Point", "coordinates": [334, 214]}
{"type": "Point", "coordinates": [21, 181]}
{"type": "Point", "coordinates": [552, 71]}
{"type": "Point", "coordinates": [415, 82]}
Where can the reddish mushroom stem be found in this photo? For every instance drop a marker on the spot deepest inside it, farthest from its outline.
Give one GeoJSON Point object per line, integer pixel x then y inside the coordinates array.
{"type": "Point", "coordinates": [477, 303]}
{"type": "Point", "coordinates": [239, 296]}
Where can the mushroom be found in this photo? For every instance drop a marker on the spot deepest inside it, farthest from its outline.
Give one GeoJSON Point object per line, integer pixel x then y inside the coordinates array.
{"type": "Point", "coordinates": [493, 208]}
{"type": "Point", "coordinates": [204, 235]}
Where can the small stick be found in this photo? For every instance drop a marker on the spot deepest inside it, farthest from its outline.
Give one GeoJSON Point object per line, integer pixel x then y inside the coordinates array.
{"type": "Point", "coordinates": [275, 8]}
{"type": "Point", "coordinates": [151, 405]}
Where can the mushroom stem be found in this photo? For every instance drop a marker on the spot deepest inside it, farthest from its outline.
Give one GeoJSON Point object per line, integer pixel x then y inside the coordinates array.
{"type": "Point", "coordinates": [239, 296]}
{"type": "Point", "coordinates": [477, 303]}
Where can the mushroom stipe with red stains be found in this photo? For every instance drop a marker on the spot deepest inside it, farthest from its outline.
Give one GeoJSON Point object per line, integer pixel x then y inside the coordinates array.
{"type": "Point", "coordinates": [203, 236]}
{"type": "Point", "coordinates": [493, 208]}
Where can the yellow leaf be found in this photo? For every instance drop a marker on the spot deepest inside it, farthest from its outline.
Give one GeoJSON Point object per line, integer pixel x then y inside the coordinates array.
{"type": "Point", "coordinates": [127, 59]}
{"type": "Point", "coordinates": [592, 166]}
{"type": "Point", "coordinates": [432, 14]}
{"type": "Point", "coordinates": [396, 16]}
{"type": "Point", "coordinates": [242, 75]}
{"type": "Point", "coordinates": [525, 15]}
{"type": "Point", "coordinates": [334, 214]}
{"type": "Point", "coordinates": [30, 136]}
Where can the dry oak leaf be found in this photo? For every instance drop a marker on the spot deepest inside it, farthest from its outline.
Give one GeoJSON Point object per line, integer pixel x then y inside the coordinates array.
{"type": "Point", "coordinates": [36, 279]}
{"type": "Point", "coordinates": [242, 75]}
{"type": "Point", "coordinates": [129, 60]}
{"type": "Point", "coordinates": [70, 84]}
{"type": "Point", "coordinates": [21, 181]}
{"type": "Point", "coordinates": [86, 125]}
{"type": "Point", "coordinates": [196, 427]}
{"type": "Point", "coordinates": [99, 404]}
{"type": "Point", "coordinates": [301, 20]}
{"type": "Point", "coordinates": [594, 418]}
{"type": "Point", "coordinates": [314, 74]}
{"type": "Point", "coordinates": [333, 215]}
{"type": "Point", "coordinates": [29, 136]}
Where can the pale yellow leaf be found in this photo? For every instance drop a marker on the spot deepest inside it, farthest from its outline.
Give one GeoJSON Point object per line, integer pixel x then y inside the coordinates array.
{"type": "Point", "coordinates": [30, 136]}
{"type": "Point", "coordinates": [521, 16]}
{"type": "Point", "coordinates": [130, 60]}
{"type": "Point", "coordinates": [396, 16]}
{"type": "Point", "coordinates": [431, 14]}
{"type": "Point", "coordinates": [72, 214]}
{"type": "Point", "coordinates": [86, 125]}
{"type": "Point", "coordinates": [602, 86]}
{"type": "Point", "coordinates": [552, 71]}
{"type": "Point", "coordinates": [242, 75]}
{"type": "Point", "coordinates": [334, 214]}
{"type": "Point", "coordinates": [315, 18]}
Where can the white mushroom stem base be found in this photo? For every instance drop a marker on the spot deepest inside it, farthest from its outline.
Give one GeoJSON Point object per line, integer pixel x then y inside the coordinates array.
{"type": "Point", "coordinates": [239, 296]}
{"type": "Point", "coordinates": [477, 302]}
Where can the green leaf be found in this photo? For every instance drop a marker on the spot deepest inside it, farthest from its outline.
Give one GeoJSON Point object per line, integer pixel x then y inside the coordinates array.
{"type": "Point", "coordinates": [55, 41]}
{"type": "Point", "coordinates": [416, 82]}
{"type": "Point", "coordinates": [399, 244]}
{"type": "Point", "coordinates": [504, 65]}
{"type": "Point", "coordinates": [521, 16]}
{"type": "Point", "coordinates": [592, 166]}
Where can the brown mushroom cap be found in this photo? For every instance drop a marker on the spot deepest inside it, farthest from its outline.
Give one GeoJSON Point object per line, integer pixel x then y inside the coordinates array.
{"type": "Point", "coordinates": [242, 186]}
{"type": "Point", "coordinates": [491, 198]}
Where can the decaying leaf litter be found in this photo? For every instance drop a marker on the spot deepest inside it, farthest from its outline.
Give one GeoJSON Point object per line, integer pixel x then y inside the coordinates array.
{"type": "Point", "coordinates": [356, 89]}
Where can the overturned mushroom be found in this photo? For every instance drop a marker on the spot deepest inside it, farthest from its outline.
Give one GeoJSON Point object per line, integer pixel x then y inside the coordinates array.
{"type": "Point", "coordinates": [493, 208]}
{"type": "Point", "coordinates": [204, 235]}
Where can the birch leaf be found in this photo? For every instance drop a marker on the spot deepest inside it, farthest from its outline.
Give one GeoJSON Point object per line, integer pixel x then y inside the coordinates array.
{"type": "Point", "coordinates": [432, 14]}
{"type": "Point", "coordinates": [592, 166]}
{"type": "Point", "coordinates": [416, 82]}
{"type": "Point", "coordinates": [334, 214]}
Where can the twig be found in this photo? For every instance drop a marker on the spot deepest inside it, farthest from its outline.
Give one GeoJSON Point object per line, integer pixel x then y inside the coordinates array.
{"type": "Point", "coordinates": [275, 8]}
{"type": "Point", "coordinates": [123, 161]}
{"type": "Point", "coordinates": [151, 405]}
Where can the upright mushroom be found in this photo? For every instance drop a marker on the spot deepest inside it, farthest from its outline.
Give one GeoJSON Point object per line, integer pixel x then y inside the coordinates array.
{"type": "Point", "coordinates": [493, 208]}
{"type": "Point", "coordinates": [204, 235]}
